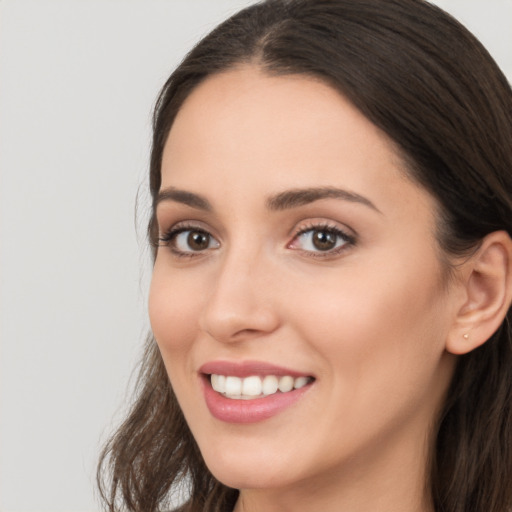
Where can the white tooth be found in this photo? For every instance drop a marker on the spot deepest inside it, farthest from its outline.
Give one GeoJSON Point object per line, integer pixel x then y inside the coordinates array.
{"type": "Point", "coordinates": [214, 379]}
{"type": "Point", "coordinates": [251, 386]}
{"type": "Point", "coordinates": [270, 385]}
{"type": "Point", "coordinates": [218, 383]}
{"type": "Point", "coordinates": [300, 382]}
{"type": "Point", "coordinates": [233, 386]}
{"type": "Point", "coordinates": [254, 386]}
{"type": "Point", "coordinates": [222, 383]}
{"type": "Point", "coordinates": [285, 383]}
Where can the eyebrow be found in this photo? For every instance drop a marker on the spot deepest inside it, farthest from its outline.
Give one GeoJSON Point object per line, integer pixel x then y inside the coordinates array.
{"type": "Point", "coordinates": [299, 197]}
{"type": "Point", "coordinates": [282, 201]}
{"type": "Point", "coordinates": [184, 197]}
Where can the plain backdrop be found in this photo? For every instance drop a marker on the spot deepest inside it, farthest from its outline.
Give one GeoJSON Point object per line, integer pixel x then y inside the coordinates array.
{"type": "Point", "coordinates": [78, 79]}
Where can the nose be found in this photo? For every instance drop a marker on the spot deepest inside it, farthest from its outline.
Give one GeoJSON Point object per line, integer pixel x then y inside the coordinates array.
{"type": "Point", "coordinates": [239, 305]}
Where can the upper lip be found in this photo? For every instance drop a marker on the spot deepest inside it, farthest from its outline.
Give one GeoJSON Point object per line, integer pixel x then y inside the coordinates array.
{"type": "Point", "coordinates": [248, 368]}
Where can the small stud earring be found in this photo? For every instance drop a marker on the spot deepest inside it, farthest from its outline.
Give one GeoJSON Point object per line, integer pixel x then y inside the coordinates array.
{"type": "Point", "coordinates": [465, 336]}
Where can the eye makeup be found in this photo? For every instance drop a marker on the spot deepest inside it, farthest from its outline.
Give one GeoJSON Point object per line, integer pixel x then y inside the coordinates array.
{"type": "Point", "coordinates": [315, 240]}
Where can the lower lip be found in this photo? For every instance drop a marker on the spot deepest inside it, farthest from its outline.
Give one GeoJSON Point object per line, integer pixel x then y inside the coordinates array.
{"type": "Point", "coordinates": [249, 411]}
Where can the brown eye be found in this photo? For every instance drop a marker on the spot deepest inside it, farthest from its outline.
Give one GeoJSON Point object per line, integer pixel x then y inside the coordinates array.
{"type": "Point", "coordinates": [198, 240]}
{"type": "Point", "coordinates": [324, 240]}
{"type": "Point", "coordinates": [189, 241]}
{"type": "Point", "coordinates": [320, 239]}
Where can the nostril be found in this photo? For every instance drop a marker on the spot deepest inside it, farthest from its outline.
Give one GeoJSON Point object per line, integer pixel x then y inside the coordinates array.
{"type": "Point", "coordinates": [236, 312]}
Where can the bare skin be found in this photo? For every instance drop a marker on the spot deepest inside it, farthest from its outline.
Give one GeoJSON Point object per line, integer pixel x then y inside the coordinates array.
{"type": "Point", "coordinates": [368, 318]}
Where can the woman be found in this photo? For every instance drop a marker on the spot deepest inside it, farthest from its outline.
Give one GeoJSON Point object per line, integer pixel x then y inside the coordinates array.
{"type": "Point", "coordinates": [332, 203]}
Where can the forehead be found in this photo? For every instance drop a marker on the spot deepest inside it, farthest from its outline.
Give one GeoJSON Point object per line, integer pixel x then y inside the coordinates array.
{"type": "Point", "coordinates": [246, 109]}
{"type": "Point", "coordinates": [246, 131]}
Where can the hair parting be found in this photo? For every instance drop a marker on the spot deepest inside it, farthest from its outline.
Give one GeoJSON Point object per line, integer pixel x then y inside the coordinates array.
{"type": "Point", "coordinates": [449, 113]}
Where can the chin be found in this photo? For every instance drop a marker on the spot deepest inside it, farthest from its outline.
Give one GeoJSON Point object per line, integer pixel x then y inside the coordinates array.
{"type": "Point", "coordinates": [248, 478]}
{"type": "Point", "coordinates": [241, 470]}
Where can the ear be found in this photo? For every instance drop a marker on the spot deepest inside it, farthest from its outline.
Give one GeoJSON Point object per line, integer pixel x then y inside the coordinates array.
{"type": "Point", "coordinates": [487, 286]}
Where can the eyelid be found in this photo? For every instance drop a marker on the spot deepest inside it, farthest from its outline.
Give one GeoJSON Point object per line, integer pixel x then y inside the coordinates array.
{"type": "Point", "coordinates": [346, 234]}
{"type": "Point", "coordinates": [168, 236]}
{"type": "Point", "coordinates": [322, 220]}
{"type": "Point", "coordinates": [197, 224]}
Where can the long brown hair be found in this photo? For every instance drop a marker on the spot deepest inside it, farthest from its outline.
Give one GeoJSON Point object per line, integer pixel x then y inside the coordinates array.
{"type": "Point", "coordinates": [424, 80]}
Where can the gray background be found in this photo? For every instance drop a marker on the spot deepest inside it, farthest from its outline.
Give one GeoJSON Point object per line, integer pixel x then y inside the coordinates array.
{"type": "Point", "coordinates": [78, 79]}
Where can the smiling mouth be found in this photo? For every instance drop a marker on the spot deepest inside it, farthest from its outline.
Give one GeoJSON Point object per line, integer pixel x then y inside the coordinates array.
{"type": "Point", "coordinates": [254, 387]}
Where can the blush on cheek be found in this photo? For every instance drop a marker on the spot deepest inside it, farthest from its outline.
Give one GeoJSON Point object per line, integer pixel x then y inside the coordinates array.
{"type": "Point", "coordinates": [169, 320]}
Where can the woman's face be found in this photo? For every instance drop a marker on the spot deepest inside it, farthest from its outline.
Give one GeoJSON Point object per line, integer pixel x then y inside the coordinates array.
{"type": "Point", "coordinates": [295, 253]}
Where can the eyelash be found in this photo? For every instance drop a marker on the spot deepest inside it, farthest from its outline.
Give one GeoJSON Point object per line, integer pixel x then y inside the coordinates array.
{"type": "Point", "coordinates": [348, 240]}
{"type": "Point", "coordinates": [170, 236]}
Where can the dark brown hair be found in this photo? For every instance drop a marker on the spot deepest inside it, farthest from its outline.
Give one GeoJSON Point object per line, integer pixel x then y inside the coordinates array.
{"type": "Point", "coordinates": [423, 79]}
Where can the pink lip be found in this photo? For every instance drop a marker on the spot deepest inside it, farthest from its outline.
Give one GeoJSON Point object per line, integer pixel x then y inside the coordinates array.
{"type": "Point", "coordinates": [248, 411]}
{"type": "Point", "coordinates": [247, 369]}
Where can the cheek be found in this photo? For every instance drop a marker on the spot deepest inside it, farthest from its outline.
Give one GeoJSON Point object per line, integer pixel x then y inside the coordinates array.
{"type": "Point", "coordinates": [380, 343]}
{"type": "Point", "coordinates": [173, 312]}
{"type": "Point", "coordinates": [374, 320]}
